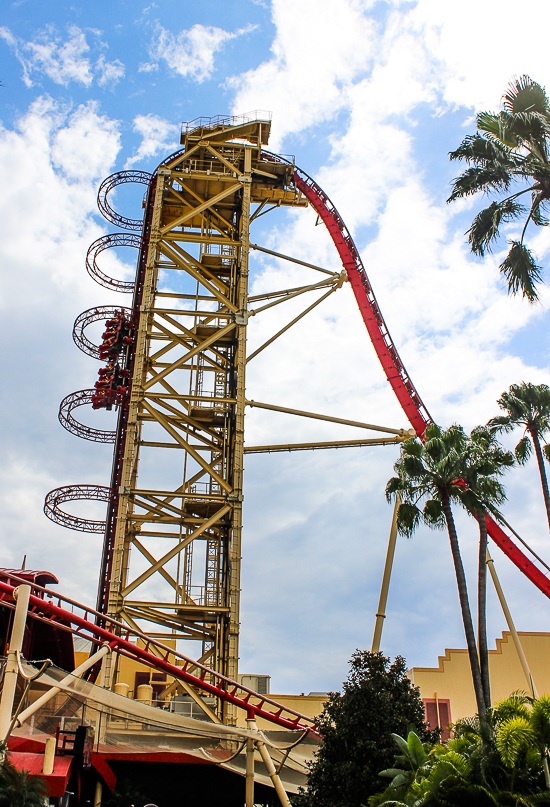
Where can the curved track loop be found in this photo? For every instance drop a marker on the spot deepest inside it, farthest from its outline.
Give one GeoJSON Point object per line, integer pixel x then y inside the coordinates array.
{"type": "Point", "coordinates": [388, 356]}
{"type": "Point", "coordinates": [58, 496]}
{"type": "Point", "coordinates": [120, 178]}
{"type": "Point", "coordinates": [111, 241]}
{"type": "Point", "coordinates": [71, 616]}
{"type": "Point", "coordinates": [100, 312]}
{"type": "Point", "coordinates": [82, 398]}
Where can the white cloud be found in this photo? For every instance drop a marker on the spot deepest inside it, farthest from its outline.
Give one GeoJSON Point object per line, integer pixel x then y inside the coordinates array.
{"type": "Point", "coordinates": [157, 134]}
{"type": "Point", "coordinates": [62, 62]}
{"type": "Point", "coordinates": [52, 162]}
{"type": "Point", "coordinates": [306, 80]}
{"type": "Point", "coordinates": [109, 72]}
{"type": "Point", "coordinates": [191, 52]}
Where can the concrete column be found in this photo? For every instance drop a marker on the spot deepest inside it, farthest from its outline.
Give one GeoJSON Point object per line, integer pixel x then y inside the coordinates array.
{"type": "Point", "coordinates": [22, 594]}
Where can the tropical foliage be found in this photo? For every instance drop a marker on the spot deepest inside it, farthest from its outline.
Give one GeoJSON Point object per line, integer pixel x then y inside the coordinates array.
{"type": "Point", "coordinates": [450, 466]}
{"type": "Point", "coordinates": [509, 150]}
{"type": "Point", "coordinates": [497, 759]}
{"type": "Point", "coordinates": [18, 788]}
{"type": "Point", "coordinates": [527, 406]}
{"type": "Point", "coordinates": [356, 725]}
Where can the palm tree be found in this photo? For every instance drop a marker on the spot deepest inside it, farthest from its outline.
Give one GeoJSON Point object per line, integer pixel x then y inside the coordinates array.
{"type": "Point", "coordinates": [19, 789]}
{"type": "Point", "coordinates": [528, 406]}
{"type": "Point", "coordinates": [485, 461]}
{"type": "Point", "coordinates": [510, 148]}
{"type": "Point", "coordinates": [434, 472]}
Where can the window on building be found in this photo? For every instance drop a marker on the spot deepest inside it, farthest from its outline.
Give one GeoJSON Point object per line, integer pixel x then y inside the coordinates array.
{"type": "Point", "coordinates": [438, 715]}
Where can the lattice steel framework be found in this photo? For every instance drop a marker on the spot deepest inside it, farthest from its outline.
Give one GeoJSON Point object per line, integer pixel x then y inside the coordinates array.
{"type": "Point", "coordinates": [176, 373]}
{"type": "Point", "coordinates": [187, 394]}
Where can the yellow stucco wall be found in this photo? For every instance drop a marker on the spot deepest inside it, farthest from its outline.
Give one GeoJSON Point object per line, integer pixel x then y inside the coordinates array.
{"type": "Point", "coordinates": [452, 679]}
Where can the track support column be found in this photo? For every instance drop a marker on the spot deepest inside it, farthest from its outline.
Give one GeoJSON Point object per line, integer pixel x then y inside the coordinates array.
{"type": "Point", "coordinates": [12, 668]}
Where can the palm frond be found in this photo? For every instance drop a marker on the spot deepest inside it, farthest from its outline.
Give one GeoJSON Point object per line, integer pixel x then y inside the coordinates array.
{"type": "Point", "coordinates": [521, 271]}
{"type": "Point", "coordinates": [408, 518]}
{"type": "Point", "coordinates": [523, 450]}
{"type": "Point", "coordinates": [537, 208]}
{"type": "Point", "coordinates": [492, 177]}
{"type": "Point", "coordinates": [492, 125]}
{"type": "Point", "coordinates": [530, 130]}
{"type": "Point", "coordinates": [540, 718]}
{"type": "Point", "coordinates": [485, 226]}
{"type": "Point", "coordinates": [482, 151]}
{"type": "Point", "coordinates": [433, 515]}
{"type": "Point", "coordinates": [501, 423]}
{"type": "Point", "coordinates": [525, 95]}
{"type": "Point", "coordinates": [513, 735]}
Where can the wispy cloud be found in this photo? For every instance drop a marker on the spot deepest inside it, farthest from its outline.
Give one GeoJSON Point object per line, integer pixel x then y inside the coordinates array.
{"type": "Point", "coordinates": [191, 52]}
{"type": "Point", "coordinates": [62, 61]}
{"type": "Point", "coordinates": [157, 134]}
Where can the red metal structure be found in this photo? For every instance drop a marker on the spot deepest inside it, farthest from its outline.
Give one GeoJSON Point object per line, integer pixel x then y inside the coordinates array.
{"type": "Point", "coordinates": [69, 616]}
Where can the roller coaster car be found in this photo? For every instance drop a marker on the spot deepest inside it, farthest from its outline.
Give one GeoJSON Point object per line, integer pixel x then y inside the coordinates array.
{"type": "Point", "coordinates": [117, 334]}
{"type": "Point", "coordinates": [111, 388]}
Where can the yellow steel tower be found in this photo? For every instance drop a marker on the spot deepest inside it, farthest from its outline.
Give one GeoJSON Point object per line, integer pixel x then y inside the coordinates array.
{"type": "Point", "coordinates": [188, 393]}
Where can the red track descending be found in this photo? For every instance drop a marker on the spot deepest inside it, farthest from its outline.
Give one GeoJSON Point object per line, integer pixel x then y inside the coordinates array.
{"type": "Point", "coordinates": [85, 624]}
{"type": "Point", "coordinates": [396, 374]}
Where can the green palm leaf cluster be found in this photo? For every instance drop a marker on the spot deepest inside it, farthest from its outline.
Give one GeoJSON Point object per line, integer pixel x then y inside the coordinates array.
{"type": "Point", "coordinates": [510, 148]}
{"type": "Point", "coordinates": [453, 467]}
{"type": "Point", "coordinates": [527, 406]}
{"type": "Point", "coordinates": [19, 788]}
{"type": "Point", "coordinates": [497, 759]}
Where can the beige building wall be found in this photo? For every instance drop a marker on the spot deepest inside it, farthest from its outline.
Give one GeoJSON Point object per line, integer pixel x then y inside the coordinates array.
{"type": "Point", "coordinates": [452, 679]}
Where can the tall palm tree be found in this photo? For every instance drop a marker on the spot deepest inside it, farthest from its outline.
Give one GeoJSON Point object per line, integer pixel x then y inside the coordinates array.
{"type": "Point", "coordinates": [485, 461]}
{"type": "Point", "coordinates": [510, 149]}
{"type": "Point", "coordinates": [434, 472]}
{"type": "Point", "coordinates": [527, 406]}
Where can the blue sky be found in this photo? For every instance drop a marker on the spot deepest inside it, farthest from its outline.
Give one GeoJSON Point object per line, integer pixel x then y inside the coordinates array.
{"type": "Point", "coordinates": [370, 97]}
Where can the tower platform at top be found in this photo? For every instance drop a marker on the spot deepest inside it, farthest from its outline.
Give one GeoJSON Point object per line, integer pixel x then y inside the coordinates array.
{"type": "Point", "coordinates": [254, 127]}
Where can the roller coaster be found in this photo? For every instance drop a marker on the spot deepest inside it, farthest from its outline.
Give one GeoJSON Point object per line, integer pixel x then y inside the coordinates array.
{"type": "Point", "coordinates": [175, 362]}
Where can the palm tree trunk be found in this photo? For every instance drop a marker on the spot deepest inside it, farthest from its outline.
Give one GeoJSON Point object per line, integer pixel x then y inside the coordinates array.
{"type": "Point", "coordinates": [464, 606]}
{"type": "Point", "coordinates": [544, 481]}
{"type": "Point", "coordinates": [482, 608]}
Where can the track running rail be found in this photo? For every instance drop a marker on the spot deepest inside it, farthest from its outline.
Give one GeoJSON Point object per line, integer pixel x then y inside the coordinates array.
{"type": "Point", "coordinates": [96, 314]}
{"type": "Point", "coordinates": [41, 607]}
{"type": "Point", "coordinates": [388, 356]}
{"type": "Point", "coordinates": [83, 397]}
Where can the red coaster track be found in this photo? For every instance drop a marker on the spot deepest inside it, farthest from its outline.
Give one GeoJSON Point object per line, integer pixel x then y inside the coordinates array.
{"type": "Point", "coordinates": [386, 351]}
{"type": "Point", "coordinates": [82, 398]}
{"type": "Point", "coordinates": [68, 615]}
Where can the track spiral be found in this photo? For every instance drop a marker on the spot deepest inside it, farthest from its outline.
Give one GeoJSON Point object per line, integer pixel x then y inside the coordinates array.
{"type": "Point", "coordinates": [69, 493]}
{"type": "Point", "coordinates": [120, 178]}
{"type": "Point", "coordinates": [100, 312]}
{"type": "Point", "coordinates": [83, 397]}
{"type": "Point", "coordinates": [110, 241]}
